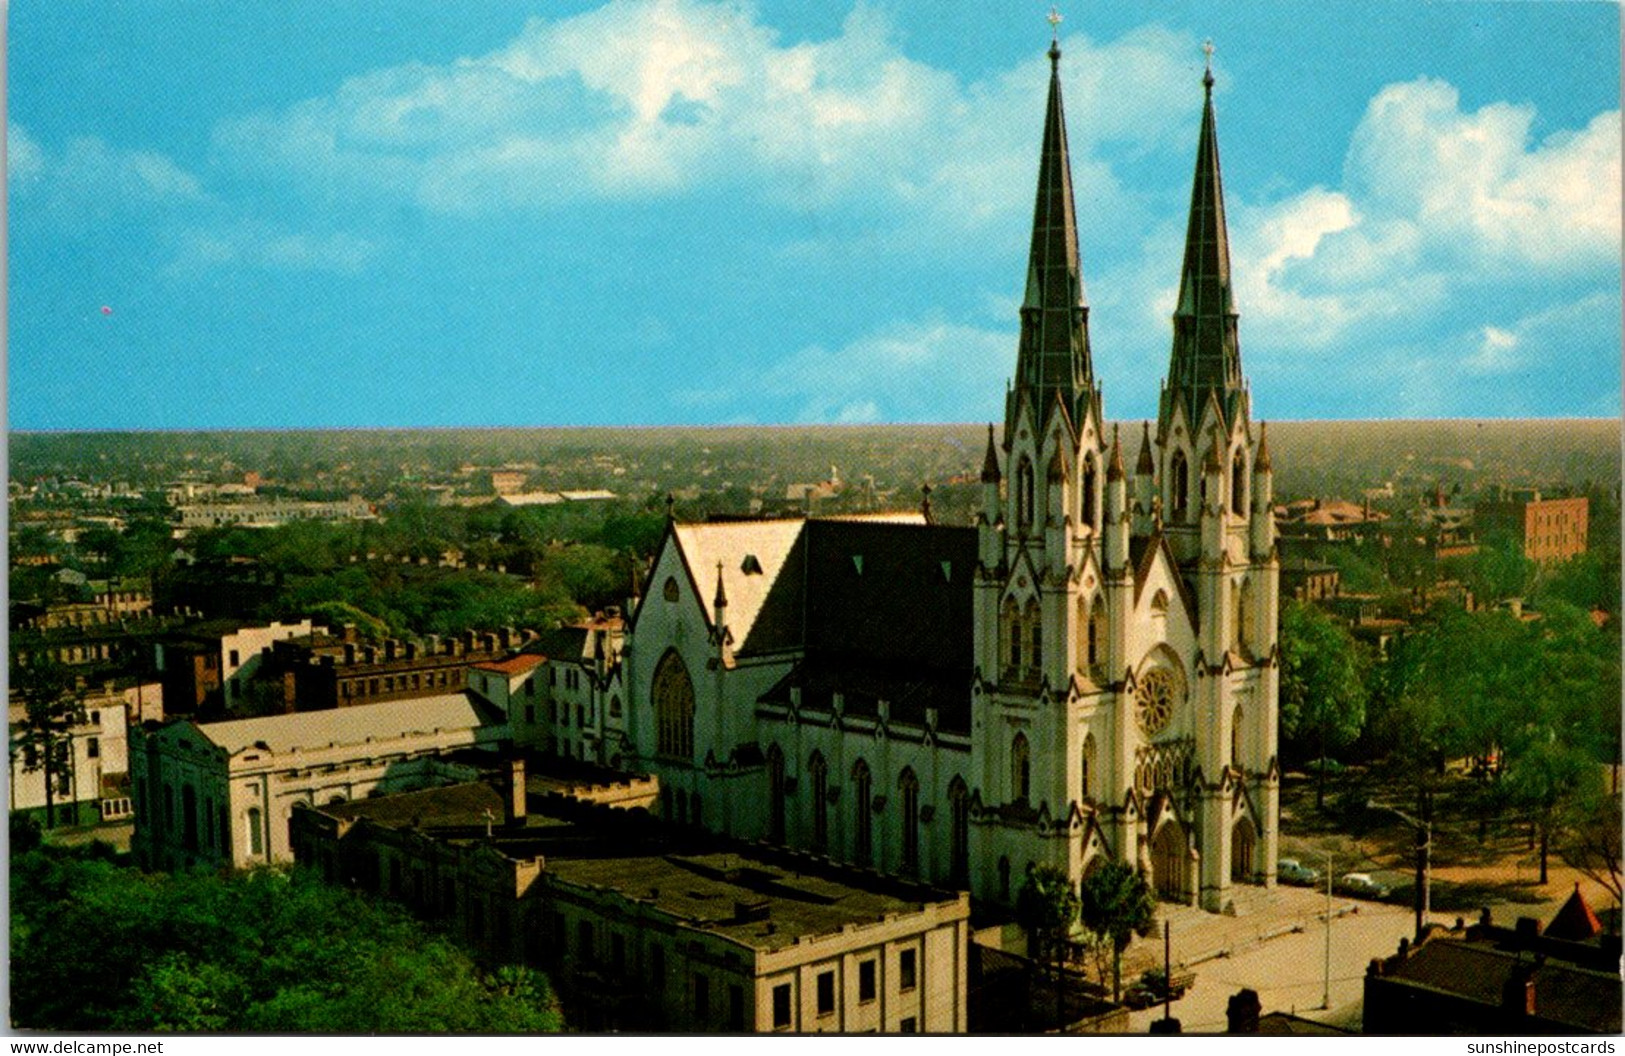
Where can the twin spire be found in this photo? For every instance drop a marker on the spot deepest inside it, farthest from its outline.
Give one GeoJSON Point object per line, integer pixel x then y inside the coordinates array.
{"type": "Point", "coordinates": [1053, 358]}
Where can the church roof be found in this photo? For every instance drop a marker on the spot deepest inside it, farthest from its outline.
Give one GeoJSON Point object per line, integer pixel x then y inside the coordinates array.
{"type": "Point", "coordinates": [752, 555]}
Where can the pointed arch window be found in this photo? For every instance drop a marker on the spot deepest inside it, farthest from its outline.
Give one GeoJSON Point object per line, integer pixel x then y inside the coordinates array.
{"type": "Point", "coordinates": [1238, 485]}
{"type": "Point", "coordinates": [775, 794]}
{"type": "Point", "coordinates": [818, 770]}
{"type": "Point", "coordinates": [1013, 637]}
{"type": "Point", "coordinates": [1035, 638]}
{"type": "Point", "coordinates": [862, 819]}
{"type": "Point", "coordinates": [959, 832]}
{"type": "Point", "coordinates": [1089, 512]}
{"type": "Point", "coordinates": [1179, 485]}
{"type": "Point", "coordinates": [673, 695]}
{"type": "Point", "coordinates": [1235, 738]}
{"type": "Point", "coordinates": [908, 795]}
{"type": "Point", "coordinates": [1021, 769]}
{"type": "Point", "coordinates": [1024, 494]}
{"type": "Point", "coordinates": [1244, 598]}
{"type": "Point", "coordinates": [1097, 632]}
{"type": "Point", "coordinates": [1087, 769]}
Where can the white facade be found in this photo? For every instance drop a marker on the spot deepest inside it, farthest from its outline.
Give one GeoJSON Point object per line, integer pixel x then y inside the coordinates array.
{"type": "Point", "coordinates": [223, 792]}
{"type": "Point", "coordinates": [90, 779]}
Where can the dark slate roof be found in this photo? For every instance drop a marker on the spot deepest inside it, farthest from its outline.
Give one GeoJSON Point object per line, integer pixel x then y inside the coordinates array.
{"type": "Point", "coordinates": [559, 643]}
{"type": "Point", "coordinates": [1564, 994]}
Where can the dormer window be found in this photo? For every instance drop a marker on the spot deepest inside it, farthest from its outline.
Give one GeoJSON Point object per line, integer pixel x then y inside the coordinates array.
{"type": "Point", "coordinates": [669, 591]}
{"type": "Point", "coordinates": [751, 566]}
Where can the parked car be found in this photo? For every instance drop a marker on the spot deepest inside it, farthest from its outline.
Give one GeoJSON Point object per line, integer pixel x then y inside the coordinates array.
{"type": "Point", "coordinates": [1361, 885]}
{"type": "Point", "coordinates": [1149, 990]}
{"type": "Point", "coordinates": [1291, 871]}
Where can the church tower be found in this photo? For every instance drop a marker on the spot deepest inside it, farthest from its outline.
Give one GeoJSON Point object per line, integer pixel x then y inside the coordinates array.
{"type": "Point", "coordinates": [1211, 497]}
{"type": "Point", "coordinates": [1042, 549]}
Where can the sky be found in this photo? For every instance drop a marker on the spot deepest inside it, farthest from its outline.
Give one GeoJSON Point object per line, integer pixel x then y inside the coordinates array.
{"type": "Point", "coordinates": [337, 213]}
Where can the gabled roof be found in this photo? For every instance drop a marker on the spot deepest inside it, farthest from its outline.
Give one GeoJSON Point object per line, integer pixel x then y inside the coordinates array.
{"type": "Point", "coordinates": [390, 720]}
{"type": "Point", "coordinates": [513, 665]}
{"type": "Point", "coordinates": [732, 543]}
{"type": "Point", "coordinates": [1575, 920]}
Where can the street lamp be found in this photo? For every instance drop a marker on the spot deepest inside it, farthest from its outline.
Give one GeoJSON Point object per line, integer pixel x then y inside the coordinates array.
{"type": "Point", "coordinates": [1424, 846]}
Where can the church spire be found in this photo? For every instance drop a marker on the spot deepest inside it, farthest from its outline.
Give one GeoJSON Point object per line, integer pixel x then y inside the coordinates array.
{"type": "Point", "coordinates": [1053, 357]}
{"type": "Point", "coordinates": [1206, 354]}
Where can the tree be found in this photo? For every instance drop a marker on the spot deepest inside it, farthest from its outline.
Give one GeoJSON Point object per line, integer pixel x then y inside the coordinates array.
{"type": "Point", "coordinates": [1591, 840]}
{"type": "Point", "coordinates": [53, 705]}
{"type": "Point", "coordinates": [98, 946]}
{"type": "Point", "coordinates": [1046, 906]}
{"type": "Point", "coordinates": [1323, 691]}
{"type": "Point", "coordinates": [1116, 902]}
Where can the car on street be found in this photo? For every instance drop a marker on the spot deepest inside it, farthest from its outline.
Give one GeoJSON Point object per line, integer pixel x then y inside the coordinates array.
{"type": "Point", "coordinates": [1291, 871]}
{"type": "Point", "coordinates": [1150, 989]}
{"type": "Point", "coordinates": [1361, 885]}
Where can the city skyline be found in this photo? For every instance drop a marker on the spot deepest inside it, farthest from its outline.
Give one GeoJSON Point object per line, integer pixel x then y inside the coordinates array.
{"type": "Point", "coordinates": [684, 213]}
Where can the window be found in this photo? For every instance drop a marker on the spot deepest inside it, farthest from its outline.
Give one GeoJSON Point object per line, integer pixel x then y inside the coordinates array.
{"type": "Point", "coordinates": [1024, 495]}
{"type": "Point", "coordinates": [1087, 499]}
{"type": "Point", "coordinates": [234, 662]}
{"type": "Point", "coordinates": [189, 817]}
{"type": "Point", "coordinates": [775, 794]}
{"type": "Point", "coordinates": [256, 837]}
{"type": "Point", "coordinates": [959, 836]}
{"type": "Point", "coordinates": [862, 819]}
{"type": "Point", "coordinates": [673, 695]}
{"type": "Point", "coordinates": [1035, 634]}
{"type": "Point", "coordinates": [1238, 485]}
{"type": "Point", "coordinates": [820, 800]}
{"type": "Point", "coordinates": [866, 980]}
{"type": "Point", "coordinates": [1235, 738]}
{"type": "Point", "coordinates": [909, 1025]}
{"type": "Point", "coordinates": [93, 748]}
{"type": "Point", "coordinates": [702, 997]}
{"type": "Point", "coordinates": [781, 1006]}
{"type": "Point", "coordinates": [1020, 769]}
{"type": "Point", "coordinates": [614, 707]}
{"type": "Point", "coordinates": [1179, 477]}
{"type": "Point", "coordinates": [826, 993]}
{"type": "Point", "coordinates": [669, 590]}
{"type": "Point", "coordinates": [907, 973]}
{"type": "Point", "coordinates": [1087, 767]}
{"type": "Point", "coordinates": [736, 1007]}
{"type": "Point", "coordinates": [530, 714]}
{"type": "Point", "coordinates": [908, 788]}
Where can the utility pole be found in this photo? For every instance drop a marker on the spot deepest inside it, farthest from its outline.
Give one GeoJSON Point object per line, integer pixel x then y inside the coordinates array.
{"type": "Point", "coordinates": [1423, 828]}
{"type": "Point", "coordinates": [1326, 990]}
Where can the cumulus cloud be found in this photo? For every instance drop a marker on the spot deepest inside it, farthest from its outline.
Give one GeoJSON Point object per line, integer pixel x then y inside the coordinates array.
{"type": "Point", "coordinates": [265, 245]}
{"type": "Point", "coordinates": [89, 180]}
{"type": "Point", "coordinates": [704, 96]}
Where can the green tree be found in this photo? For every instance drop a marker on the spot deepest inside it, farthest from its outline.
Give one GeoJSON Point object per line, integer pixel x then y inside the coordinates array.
{"type": "Point", "coordinates": [1323, 684]}
{"type": "Point", "coordinates": [99, 946]}
{"type": "Point", "coordinates": [1115, 902]}
{"type": "Point", "coordinates": [1047, 906]}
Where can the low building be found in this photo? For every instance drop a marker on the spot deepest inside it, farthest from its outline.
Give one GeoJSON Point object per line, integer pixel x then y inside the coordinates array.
{"type": "Point", "coordinates": [271, 513]}
{"type": "Point", "coordinates": [1308, 580]}
{"type": "Point", "coordinates": [318, 670]}
{"type": "Point", "coordinates": [91, 774]}
{"type": "Point", "coordinates": [1490, 979]}
{"type": "Point", "coordinates": [647, 926]}
{"type": "Point", "coordinates": [206, 667]}
{"type": "Point", "coordinates": [221, 793]}
{"type": "Point", "coordinates": [570, 703]}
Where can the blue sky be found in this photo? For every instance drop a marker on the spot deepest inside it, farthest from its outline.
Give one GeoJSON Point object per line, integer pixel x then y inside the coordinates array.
{"type": "Point", "coordinates": [346, 213]}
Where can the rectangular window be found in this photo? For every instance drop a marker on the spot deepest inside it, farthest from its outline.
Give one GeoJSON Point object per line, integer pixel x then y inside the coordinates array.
{"type": "Point", "coordinates": [908, 1026]}
{"type": "Point", "coordinates": [905, 970]}
{"type": "Point", "coordinates": [866, 980]}
{"type": "Point", "coordinates": [234, 661]}
{"type": "Point", "coordinates": [736, 1007]}
{"type": "Point", "coordinates": [781, 1006]}
{"type": "Point", "coordinates": [93, 748]}
{"type": "Point", "coordinates": [702, 998]}
{"type": "Point", "coordinates": [826, 993]}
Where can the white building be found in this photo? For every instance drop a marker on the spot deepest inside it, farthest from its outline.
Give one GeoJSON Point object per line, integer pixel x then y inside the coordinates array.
{"type": "Point", "coordinates": [1087, 674]}
{"type": "Point", "coordinates": [92, 776]}
{"type": "Point", "coordinates": [223, 791]}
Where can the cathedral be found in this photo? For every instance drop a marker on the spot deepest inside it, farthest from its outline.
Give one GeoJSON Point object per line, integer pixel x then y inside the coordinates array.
{"type": "Point", "coordinates": [1087, 673]}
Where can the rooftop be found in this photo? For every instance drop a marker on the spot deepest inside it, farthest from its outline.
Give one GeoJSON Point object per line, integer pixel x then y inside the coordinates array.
{"type": "Point", "coordinates": [390, 720]}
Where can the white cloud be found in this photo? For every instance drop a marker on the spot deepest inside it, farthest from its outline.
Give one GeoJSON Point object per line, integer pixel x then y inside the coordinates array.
{"type": "Point", "coordinates": [25, 161]}
{"type": "Point", "coordinates": [89, 180]}
{"type": "Point", "coordinates": [703, 95]}
{"type": "Point", "coordinates": [919, 371]}
{"type": "Point", "coordinates": [263, 245]}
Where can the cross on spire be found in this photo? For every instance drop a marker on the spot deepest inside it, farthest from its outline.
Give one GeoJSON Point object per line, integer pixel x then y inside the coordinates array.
{"type": "Point", "coordinates": [1055, 19]}
{"type": "Point", "coordinates": [1207, 50]}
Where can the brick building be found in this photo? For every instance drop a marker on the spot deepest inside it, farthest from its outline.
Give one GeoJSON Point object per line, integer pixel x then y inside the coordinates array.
{"type": "Point", "coordinates": [316, 671]}
{"type": "Point", "coordinates": [1549, 530]}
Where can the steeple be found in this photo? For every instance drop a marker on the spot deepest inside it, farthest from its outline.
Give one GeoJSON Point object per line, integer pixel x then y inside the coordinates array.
{"type": "Point", "coordinates": [1207, 353]}
{"type": "Point", "coordinates": [1053, 356]}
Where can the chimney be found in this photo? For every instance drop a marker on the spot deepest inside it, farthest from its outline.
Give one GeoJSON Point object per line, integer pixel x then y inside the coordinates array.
{"type": "Point", "coordinates": [1518, 995]}
{"type": "Point", "coordinates": [516, 789]}
{"type": "Point", "coordinates": [349, 633]}
{"type": "Point", "coordinates": [389, 649]}
{"type": "Point", "coordinates": [1242, 1012]}
{"type": "Point", "coordinates": [505, 636]}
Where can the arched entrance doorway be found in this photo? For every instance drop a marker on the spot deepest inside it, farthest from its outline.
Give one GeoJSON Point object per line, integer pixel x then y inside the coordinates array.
{"type": "Point", "coordinates": [1169, 854]}
{"type": "Point", "coordinates": [1243, 843]}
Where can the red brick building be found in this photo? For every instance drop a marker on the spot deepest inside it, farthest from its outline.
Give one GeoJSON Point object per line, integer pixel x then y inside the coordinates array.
{"type": "Point", "coordinates": [1550, 530]}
